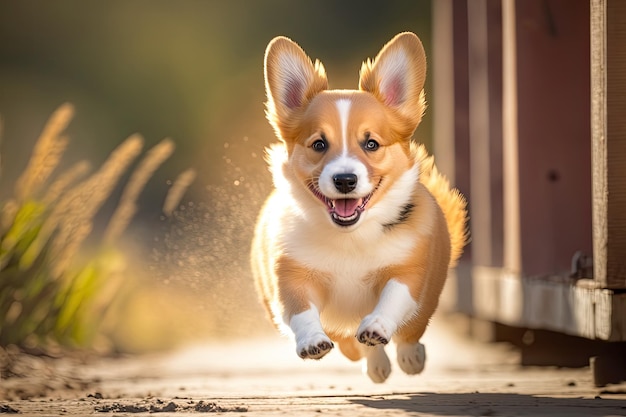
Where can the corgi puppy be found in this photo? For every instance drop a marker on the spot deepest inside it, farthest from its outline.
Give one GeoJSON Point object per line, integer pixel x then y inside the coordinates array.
{"type": "Point", "coordinates": [353, 246]}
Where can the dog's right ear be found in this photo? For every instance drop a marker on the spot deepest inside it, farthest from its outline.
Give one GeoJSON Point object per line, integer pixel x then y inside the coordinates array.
{"type": "Point", "coordinates": [396, 78]}
{"type": "Point", "coordinates": [291, 81]}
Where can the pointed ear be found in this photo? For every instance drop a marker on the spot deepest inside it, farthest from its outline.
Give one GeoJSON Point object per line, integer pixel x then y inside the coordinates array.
{"type": "Point", "coordinates": [291, 81]}
{"type": "Point", "coordinates": [396, 78]}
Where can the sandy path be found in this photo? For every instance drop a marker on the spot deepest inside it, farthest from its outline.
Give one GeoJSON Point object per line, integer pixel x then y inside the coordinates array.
{"type": "Point", "coordinates": [264, 377]}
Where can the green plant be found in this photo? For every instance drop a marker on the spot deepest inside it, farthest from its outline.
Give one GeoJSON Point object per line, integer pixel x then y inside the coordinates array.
{"type": "Point", "coordinates": [51, 290]}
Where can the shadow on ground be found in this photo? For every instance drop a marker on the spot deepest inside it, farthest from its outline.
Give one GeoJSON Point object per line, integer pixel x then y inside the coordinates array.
{"type": "Point", "coordinates": [491, 404]}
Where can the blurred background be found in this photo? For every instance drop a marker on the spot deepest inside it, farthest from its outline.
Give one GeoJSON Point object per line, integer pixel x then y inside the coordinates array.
{"type": "Point", "coordinates": [191, 71]}
{"type": "Point", "coordinates": [510, 87]}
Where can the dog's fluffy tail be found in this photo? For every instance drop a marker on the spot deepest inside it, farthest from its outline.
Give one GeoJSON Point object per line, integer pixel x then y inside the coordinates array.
{"type": "Point", "coordinates": [452, 203]}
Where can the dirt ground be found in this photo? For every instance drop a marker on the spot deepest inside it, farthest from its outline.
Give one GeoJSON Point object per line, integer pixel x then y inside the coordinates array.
{"type": "Point", "coordinates": [264, 377]}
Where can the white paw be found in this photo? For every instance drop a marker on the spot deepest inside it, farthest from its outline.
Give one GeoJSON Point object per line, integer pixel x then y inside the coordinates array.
{"type": "Point", "coordinates": [375, 330]}
{"type": "Point", "coordinates": [378, 364]}
{"type": "Point", "coordinates": [314, 346]}
{"type": "Point", "coordinates": [411, 357]}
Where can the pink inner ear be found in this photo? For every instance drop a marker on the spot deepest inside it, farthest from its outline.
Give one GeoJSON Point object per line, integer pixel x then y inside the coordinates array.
{"type": "Point", "coordinates": [393, 91]}
{"type": "Point", "coordinates": [293, 94]}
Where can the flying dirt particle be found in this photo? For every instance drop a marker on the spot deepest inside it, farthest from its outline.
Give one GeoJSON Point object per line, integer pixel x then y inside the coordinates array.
{"type": "Point", "coordinates": [203, 246]}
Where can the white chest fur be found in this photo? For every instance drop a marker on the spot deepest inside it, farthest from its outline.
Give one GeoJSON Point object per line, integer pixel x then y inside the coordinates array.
{"type": "Point", "coordinates": [349, 260]}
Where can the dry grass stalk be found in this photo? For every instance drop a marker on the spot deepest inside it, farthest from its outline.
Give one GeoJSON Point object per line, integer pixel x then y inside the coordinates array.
{"type": "Point", "coordinates": [43, 229]}
{"type": "Point", "coordinates": [127, 206]}
{"type": "Point", "coordinates": [80, 204]}
{"type": "Point", "coordinates": [87, 198]}
{"type": "Point", "coordinates": [84, 201]}
{"type": "Point", "coordinates": [7, 216]}
{"type": "Point", "coordinates": [177, 190]}
{"type": "Point", "coordinates": [46, 154]}
{"type": "Point", "coordinates": [58, 187]}
{"type": "Point", "coordinates": [63, 252]}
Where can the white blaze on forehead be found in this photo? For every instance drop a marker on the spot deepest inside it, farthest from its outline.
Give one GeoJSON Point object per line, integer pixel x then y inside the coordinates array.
{"type": "Point", "coordinates": [343, 105]}
{"type": "Point", "coordinates": [344, 163]}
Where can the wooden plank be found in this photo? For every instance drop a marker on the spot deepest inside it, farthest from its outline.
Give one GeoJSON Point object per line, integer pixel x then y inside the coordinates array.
{"type": "Point", "coordinates": [608, 104]}
{"type": "Point", "coordinates": [442, 70]}
{"type": "Point", "coordinates": [485, 130]}
{"type": "Point", "coordinates": [480, 173]}
{"type": "Point", "coordinates": [512, 251]}
{"type": "Point", "coordinates": [609, 306]}
{"type": "Point", "coordinates": [450, 101]}
{"type": "Point", "coordinates": [552, 303]}
{"type": "Point", "coordinates": [618, 305]}
{"type": "Point", "coordinates": [616, 143]}
{"type": "Point", "coordinates": [554, 152]}
{"type": "Point", "coordinates": [461, 103]}
{"type": "Point", "coordinates": [598, 141]}
{"type": "Point", "coordinates": [494, 67]}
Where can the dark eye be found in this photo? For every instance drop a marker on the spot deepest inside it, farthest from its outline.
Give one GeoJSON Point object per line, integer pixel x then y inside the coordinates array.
{"type": "Point", "coordinates": [319, 145]}
{"type": "Point", "coordinates": [371, 145]}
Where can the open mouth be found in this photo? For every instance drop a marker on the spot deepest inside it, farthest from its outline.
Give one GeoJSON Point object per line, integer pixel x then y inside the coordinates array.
{"type": "Point", "coordinates": [343, 211]}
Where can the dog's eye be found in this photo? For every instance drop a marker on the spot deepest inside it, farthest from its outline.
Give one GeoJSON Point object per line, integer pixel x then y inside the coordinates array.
{"type": "Point", "coordinates": [319, 145]}
{"type": "Point", "coordinates": [371, 145]}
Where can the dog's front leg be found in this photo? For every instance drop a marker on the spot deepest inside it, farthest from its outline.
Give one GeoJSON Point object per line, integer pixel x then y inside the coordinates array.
{"type": "Point", "coordinates": [297, 289]}
{"type": "Point", "coordinates": [311, 340]}
{"type": "Point", "coordinates": [395, 306]}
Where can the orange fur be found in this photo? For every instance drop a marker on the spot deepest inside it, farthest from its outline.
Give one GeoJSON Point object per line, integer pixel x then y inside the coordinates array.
{"type": "Point", "coordinates": [450, 200]}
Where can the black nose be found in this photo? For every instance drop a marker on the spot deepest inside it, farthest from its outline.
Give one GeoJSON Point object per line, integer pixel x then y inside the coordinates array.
{"type": "Point", "coordinates": [344, 183]}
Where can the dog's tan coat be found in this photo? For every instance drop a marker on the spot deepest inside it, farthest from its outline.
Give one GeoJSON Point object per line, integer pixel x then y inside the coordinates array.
{"type": "Point", "coordinates": [302, 110]}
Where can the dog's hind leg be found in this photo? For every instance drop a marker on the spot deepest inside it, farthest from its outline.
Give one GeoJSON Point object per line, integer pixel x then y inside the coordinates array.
{"type": "Point", "coordinates": [411, 354]}
{"type": "Point", "coordinates": [378, 364]}
{"type": "Point", "coordinates": [411, 357]}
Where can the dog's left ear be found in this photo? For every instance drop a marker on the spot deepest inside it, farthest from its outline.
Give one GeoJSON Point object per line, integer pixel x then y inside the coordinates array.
{"type": "Point", "coordinates": [291, 81]}
{"type": "Point", "coordinates": [396, 78]}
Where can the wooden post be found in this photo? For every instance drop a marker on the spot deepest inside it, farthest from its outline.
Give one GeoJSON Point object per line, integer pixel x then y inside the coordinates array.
{"type": "Point", "coordinates": [608, 126]}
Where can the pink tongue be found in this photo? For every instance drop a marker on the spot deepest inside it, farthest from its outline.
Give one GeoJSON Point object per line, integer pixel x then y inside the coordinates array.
{"type": "Point", "coordinates": [346, 207]}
